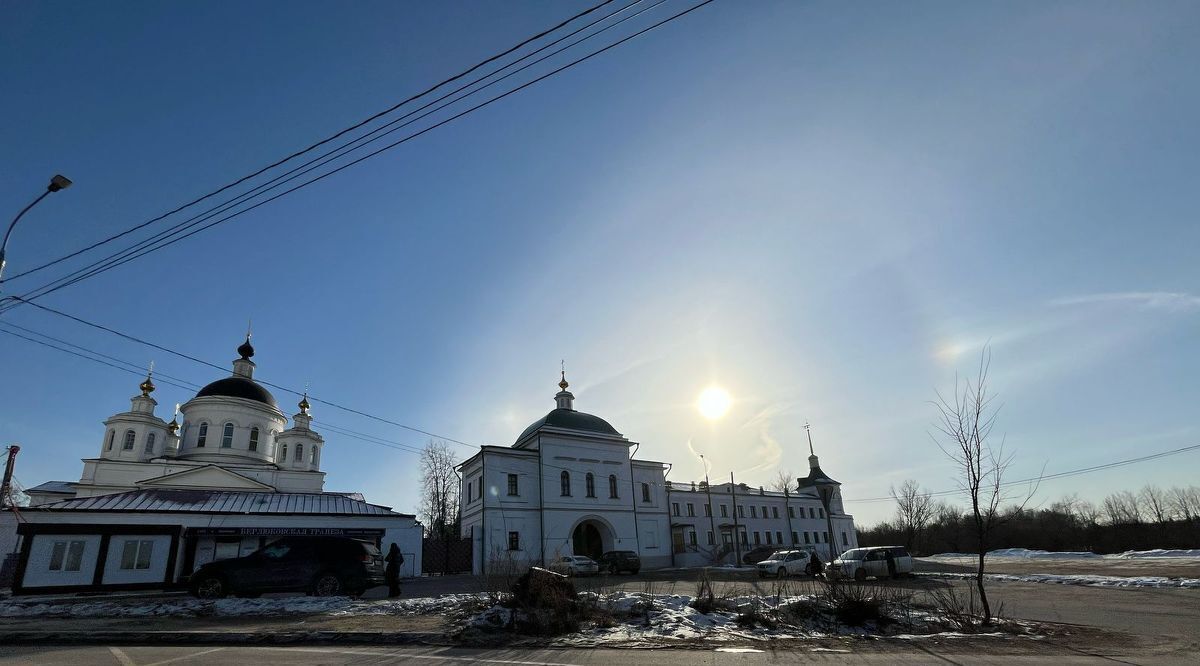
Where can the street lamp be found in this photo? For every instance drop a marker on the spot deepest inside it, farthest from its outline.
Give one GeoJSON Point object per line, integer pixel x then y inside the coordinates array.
{"type": "Point", "coordinates": [58, 182]}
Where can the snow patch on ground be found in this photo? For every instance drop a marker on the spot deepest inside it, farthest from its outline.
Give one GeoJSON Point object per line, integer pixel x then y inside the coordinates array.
{"type": "Point", "coordinates": [1027, 554]}
{"type": "Point", "coordinates": [189, 607]}
{"type": "Point", "coordinates": [1079, 579]}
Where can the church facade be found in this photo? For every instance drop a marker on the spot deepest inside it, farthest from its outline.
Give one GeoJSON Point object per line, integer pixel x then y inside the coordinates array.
{"type": "Point", "coordinates": [571, 485]}
{"type": "Point", "coordinates": [161, 498]}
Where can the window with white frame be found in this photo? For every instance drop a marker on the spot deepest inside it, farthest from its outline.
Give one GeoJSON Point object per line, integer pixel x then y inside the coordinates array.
{"type": "Point", "coordinates": [202, 436]}
{"type": "Point", "coordinates": [589, 485]}
{"type": "Point", "coordinates": [227, 436]}
{"type": "Point", "coordinates": [514, 541]}
{"type": "Point", "coordinates": [150, 442]}
{"type": "Point", "coordinates": [254, 439]}
{"type": "Point", "coordinates": [66, 555]}
{"type": "Point", "coordinates": [135, 554]}
{"type": "Point", "coordinates": [111, 435]}
{"type": "Point", "coordinates": [512, 489]}
{"type": "Point", "coordinates": [129, 437]}
{"type": "Point", "coordinates": [646, 492]}
{"type": "Point", "coordinates": [612, 486]}
{"type": "Point", "coordinates": [299, 457]}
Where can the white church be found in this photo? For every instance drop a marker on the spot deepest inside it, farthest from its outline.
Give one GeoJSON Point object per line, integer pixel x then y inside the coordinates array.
{"type": "Point", "coordinates": [160, 499]}
{"type": "Point", "coordinates": [570, 485]}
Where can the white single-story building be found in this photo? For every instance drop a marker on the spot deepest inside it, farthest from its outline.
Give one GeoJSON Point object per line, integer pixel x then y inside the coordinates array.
{"type": "Point", "coordinates": [159, 500]}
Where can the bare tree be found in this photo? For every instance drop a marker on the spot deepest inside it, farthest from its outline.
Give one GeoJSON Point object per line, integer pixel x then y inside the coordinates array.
{"type": "Point", "coordinates": [784, 480]}
{"type": "Point", "coordinates": [1156, 504]}
{"type": "Point", "coordinates": [1186, 502]}
{"type": "Point", "coordinates": [439, 490]}
{"type": "Point", "coordinates": [963, 432]}
{"type": "Point", "coordinates": [1089, 513]}
{"type": "Point", "coordinates": [1122, 508]}
{"type": "Point", "coordinates": [914, 510]}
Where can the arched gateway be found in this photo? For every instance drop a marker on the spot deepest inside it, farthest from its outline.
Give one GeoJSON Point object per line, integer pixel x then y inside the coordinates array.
{"type": "Point", "coordinates": [591, 538]}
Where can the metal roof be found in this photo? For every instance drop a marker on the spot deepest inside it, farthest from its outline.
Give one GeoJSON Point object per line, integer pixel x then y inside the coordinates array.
{"type": "Point", "coordinates": [222, 501]}
{"type": "Point", "coordinates": [67, 487]}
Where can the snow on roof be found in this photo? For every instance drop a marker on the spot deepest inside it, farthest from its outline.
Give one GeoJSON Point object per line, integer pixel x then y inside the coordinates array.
{"type": "Point", "coordinates": [222, 501]}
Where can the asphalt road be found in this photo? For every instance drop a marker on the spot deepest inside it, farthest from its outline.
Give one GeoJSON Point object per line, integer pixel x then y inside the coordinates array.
{"type": "Point", "coordinates": [304, 656]}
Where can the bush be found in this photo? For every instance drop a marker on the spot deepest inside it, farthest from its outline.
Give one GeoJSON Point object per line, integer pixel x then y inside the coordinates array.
{"type": "Point", "coordinates": [547, 603]}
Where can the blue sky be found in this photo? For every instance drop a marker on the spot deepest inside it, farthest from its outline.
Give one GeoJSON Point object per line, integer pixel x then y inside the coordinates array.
{"type": "Point", "coordinates": [825, 209]}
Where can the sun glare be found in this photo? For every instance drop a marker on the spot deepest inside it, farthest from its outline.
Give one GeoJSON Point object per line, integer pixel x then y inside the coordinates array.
{"type": "Point", "coordinates": [713, 402]}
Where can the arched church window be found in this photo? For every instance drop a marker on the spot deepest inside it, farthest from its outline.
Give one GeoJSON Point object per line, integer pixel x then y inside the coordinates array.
{"type": "Point", "coordinates": [150, 442]}
{"type": "Point", "coordinates": [612, 486]}
{"type": "Point", "coordinates": [312, 457]}
{"type": "Point", "coordinates": [202, 436]}
{"type": "Point", "coordinates": [283, 453]}
{"type": "Point", "coordinates": [254, 439]}
{"type": "Point", "coordinates": [129, 437]}
{"type": "Point", "coordinates": [645, 492]}
{"type": "Point", "coordinates": [564, 480]}
{"type": "Point", "coordinates": [111, 435]}
{"type": "Point", "coordinates": [299, 453]}
{"type": "Point", "coordinates": [589, 483]}
{"type": "Point", "coordinates": [227, 436]}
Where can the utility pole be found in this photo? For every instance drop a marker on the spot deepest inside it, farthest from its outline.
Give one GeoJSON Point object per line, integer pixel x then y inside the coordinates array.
{"type": "Point", "coordinates": [6, 486]}
{"type": "Point", "coordinates": [712, 520]}
{"type": "Point", "coordinates": [737, 532]}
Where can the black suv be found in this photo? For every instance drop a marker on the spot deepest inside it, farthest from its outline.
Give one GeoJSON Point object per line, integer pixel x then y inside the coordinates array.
{"type": "Point", "coordinates": [759, 554]}
{"type": "Point", "coordinates": [616, 561]}
{"type": "Point", "coordinates": [320, 566]}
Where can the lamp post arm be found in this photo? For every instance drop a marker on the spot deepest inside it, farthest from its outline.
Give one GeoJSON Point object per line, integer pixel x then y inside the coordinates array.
{"type": "Point", "coordinates": [4, 245]}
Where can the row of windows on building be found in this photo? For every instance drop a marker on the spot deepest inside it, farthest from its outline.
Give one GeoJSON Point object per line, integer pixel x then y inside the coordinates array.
{"type": "Point", "coordinates": [741, 511]}
{"type": "Point", "coordinates": [589, 487]}
{"type": "Point", "coordinates": [809, 538]}
{"type": "Point", "coordinates": [202, 441]}
{"type": "Point", "coordinates": [68, 555]}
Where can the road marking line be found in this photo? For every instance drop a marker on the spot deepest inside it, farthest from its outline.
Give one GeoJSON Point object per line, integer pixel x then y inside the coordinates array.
{"type": "Point", "coordinates": [400, 654]}
{"type": "Point", "coordinates": [186, 656]}
{"type": "Point", "coordinates": [121, 657]}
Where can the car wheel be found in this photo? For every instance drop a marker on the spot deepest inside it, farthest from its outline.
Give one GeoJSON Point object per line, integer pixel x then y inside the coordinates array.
{"type": "Point", "coordinates": [326, 585]}
{"type": "Point", "coordinates": [210, 587]}
{"type": "Point", "coordinates": [860, 575]}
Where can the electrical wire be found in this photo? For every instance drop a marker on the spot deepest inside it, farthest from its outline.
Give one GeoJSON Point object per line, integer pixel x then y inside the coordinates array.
{"type": "Point", "coordinates": [322, 142]}
{"type": "Point", "coordinates": [159, 239]}
{"type": "Point", "coordinates": [370, 155]}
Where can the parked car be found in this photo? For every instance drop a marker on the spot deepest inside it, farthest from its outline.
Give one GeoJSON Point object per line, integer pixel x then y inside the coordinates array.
{"type": "Point", "coordinates": [575, 565]}
{"type": "Point", "coordinates": [783, 563]}
{"type": "Point", "coordinates": [859, 563]}
{"type": "Point", "coordinates": [616, 561]}
{"type": "Point", "coordinates": [320, 566]}
{"type": "Point", "coordinates": [759, 554]}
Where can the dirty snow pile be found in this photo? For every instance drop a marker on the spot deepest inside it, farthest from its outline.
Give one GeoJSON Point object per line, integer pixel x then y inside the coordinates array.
{"type": "Point", "coordinates": [643, 618]}
{"type": "Point", "coordinates": [1028, 554]}
{"type": "Point", "coordinates": [189, 607]}
{"type": "Point", "coordinates": [1079, 579]}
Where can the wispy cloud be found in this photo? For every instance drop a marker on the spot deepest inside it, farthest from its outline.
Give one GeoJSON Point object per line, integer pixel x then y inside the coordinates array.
{"type": "Point", "coordinates": [1159, 300]}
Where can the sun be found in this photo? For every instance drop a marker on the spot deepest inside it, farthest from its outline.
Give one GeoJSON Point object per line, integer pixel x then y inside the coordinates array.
{"type": "Point", "coordinates": [713, 402]}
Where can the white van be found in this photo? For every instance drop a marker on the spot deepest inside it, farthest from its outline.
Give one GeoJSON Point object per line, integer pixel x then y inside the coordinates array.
{"type": "Point", "coordinates": [859, 563]}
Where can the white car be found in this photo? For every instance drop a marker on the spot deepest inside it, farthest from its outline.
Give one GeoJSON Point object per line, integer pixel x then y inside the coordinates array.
{"type": "Point", "coordinates": [859, 563]}
{"type": "Point", "coordinates": [784, 563]}
{"type": "Point", "coordinates": [575, 565]}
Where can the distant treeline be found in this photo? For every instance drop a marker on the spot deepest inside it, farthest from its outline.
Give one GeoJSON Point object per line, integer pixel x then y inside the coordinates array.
{"type": "Point", "coordinates": [1151, 518]}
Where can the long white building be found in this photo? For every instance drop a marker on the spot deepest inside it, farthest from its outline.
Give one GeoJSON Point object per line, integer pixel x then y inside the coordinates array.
{"type": "Point", "coordinates": [570, 484]}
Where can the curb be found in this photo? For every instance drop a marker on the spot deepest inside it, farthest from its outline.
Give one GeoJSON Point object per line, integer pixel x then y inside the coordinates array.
{"type": "Point", "coordinates": [218, 638]}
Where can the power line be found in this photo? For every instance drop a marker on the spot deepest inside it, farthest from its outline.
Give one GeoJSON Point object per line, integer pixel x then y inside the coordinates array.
{"type": "Point", "coordinates": [322, 142]}
{"type": "Point", "coordinates": [375, 153]}
{"type": "Point", "coordinates": [142, 247]}
{"type": "Point", "coordinates": [1057, 475]}
{"type": "Point", "coordinates": [293, 391]}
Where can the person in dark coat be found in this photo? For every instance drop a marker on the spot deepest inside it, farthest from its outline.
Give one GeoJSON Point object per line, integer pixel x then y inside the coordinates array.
{"type": "Point", "coordinates": [814, 564]}
{"type": "Point", "coordinates": [891, 563]}
{"type": "Point", "coordinates": [394, 560]}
